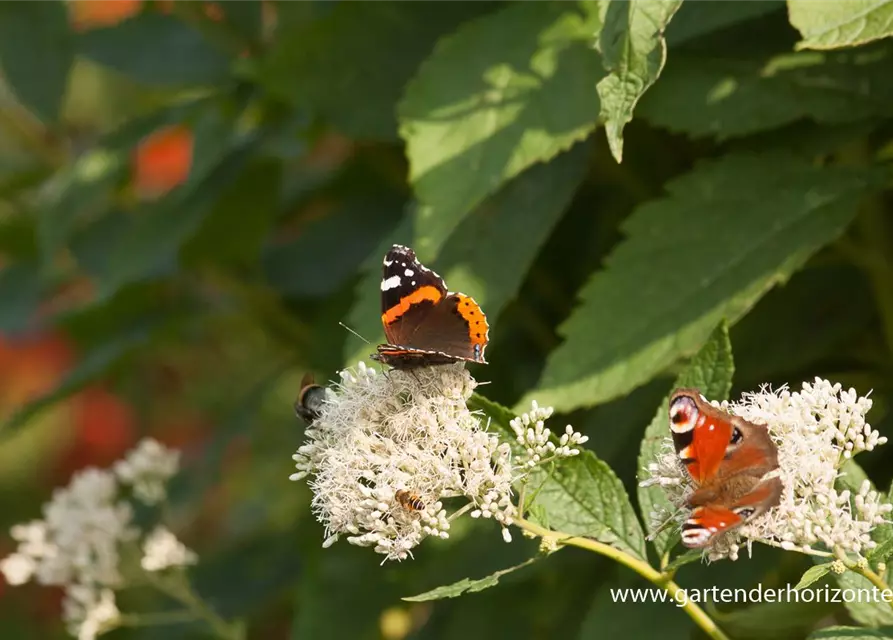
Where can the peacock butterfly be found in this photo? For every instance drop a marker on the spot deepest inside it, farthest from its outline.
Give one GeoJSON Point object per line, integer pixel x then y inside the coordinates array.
{"type": "Point", "coordinates": [728, 458]}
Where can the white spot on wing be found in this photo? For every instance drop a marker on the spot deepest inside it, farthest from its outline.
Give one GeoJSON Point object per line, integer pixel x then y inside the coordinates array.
{"type": "Point", "coordinates": [409, 273]}
{"type": "Point", "coordinates": [390, 283]}
{"type": "Point", "coordinates": [388, 263]}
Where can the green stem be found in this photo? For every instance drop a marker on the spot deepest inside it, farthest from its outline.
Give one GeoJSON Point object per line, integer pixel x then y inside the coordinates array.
{"type": "Point", "coordinates": [182, 593]}
{"type": "Point", "coordinates": [864, 571]}
{"type": "Point", "coordinates": [159, 618]}
{"type": "Point", "coordinates": [696, 613]}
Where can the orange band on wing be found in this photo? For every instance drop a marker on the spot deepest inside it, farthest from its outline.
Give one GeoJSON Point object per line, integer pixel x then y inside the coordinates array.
{"type": "Point", "coordinates": [419, 295]}
{"type": "Point", "coordinates": [478, 329]}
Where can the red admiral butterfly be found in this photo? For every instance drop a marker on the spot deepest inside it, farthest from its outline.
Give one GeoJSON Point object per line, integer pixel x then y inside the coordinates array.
{"type": "Point", "coordinates": [308, 406]}
{"type": "Point", "coordinates": [423, 322]}
{"type": "Point", "coordinates": [727, 457]}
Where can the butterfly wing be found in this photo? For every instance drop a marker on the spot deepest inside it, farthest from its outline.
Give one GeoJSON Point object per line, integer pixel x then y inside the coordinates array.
{"type": "Point", "coordinates": [409, 292]}
{"type": "Point", "coordinates": [714, 518]}
{"type": "Point", "coordinates": [701, 433]}
{"type": "Point", "coordinates": [418, 314]}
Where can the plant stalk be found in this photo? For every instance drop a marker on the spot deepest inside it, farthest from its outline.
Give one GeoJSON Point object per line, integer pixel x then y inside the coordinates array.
{"type": "Point", "coordinates": [696, 613]}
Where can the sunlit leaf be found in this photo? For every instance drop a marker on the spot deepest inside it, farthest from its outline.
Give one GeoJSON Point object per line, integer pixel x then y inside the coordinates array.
{"type": "Point", "coordinates": [727, 233]}
{"type": "Point", "coordinates": [331, 63]}
{"type": "Point", "coordinates": [813, 575]}
{"type": "Point", "coordinates": [633, 50]}
{"type": "Point", "coordinates": [504, 92]}
{"type": "Point", "coordinates": [843, 23]}
{"type": "Point", "coordinates": [728, 96]}
{"type": "Point", "coordinates": [466, 586]}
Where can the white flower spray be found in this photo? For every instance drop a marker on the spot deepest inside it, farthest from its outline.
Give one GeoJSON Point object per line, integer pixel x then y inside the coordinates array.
{"type": "Point", "coordinates": [379, 434]}
{"type": "Point", "coordinates": [816, 431]}
{"type": "Point", "coordinates": [87, 540]}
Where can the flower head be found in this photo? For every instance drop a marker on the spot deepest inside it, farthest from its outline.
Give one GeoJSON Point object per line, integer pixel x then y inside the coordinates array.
{"type": "Point", "coordinates": [162, 550]}
{"type": "Point", "coordinates": [388, 449]}
{"type": "Point", "coordinates": [402, 431]}
{"type": "Point", "coordinates": [88, 612]}
{"type": "Point", "coordinates": [816, 430]}
{"type": "Point", "coordinates": [147, 468]}
{"type": "Point", "coordinates": [86, 526]}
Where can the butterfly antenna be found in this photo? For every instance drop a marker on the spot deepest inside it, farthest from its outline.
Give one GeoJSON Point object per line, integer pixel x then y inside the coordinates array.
{"type": "Point", "coordinates": [355, 333]}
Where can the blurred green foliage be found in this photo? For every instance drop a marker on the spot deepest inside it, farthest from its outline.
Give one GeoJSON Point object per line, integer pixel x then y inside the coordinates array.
{"type": "Point", "coordinates": [754, 187]}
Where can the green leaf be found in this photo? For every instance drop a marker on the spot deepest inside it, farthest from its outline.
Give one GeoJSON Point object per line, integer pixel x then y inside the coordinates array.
{"type": "Point", "coordinates": [711, 371]}
{"type": "Point", "coordinates": [584, 497]}
{"type": "Point", "coordinates": [778, 620]}
{"type": "Point", "coordinates": [501, 416]}
{"type": "Point", "coordinates": [235, 228]}
{"type": "Point", "coordinates": [851, 633]}
{"type": "Point", "coordinates": [245, 17]}
{"type": "Point", "coordinates": [813, 575]}
{"type": "Point", "coordinates": [467, 585]}
{"type": "Point", "coordinates": [20, 291]}
{"type": "Point", "coordinates": [329, 62]}
{"type": "Point", "coordinates": [332, 249]}
{"type": "Point", "coordinates": [727, 233]}
{"type": "Point", "coordinates": [725, 96]}
{"type": "Point", "coordinates": [634, 51]}
{"type": "Point", "coordinates": [504, 92]}
{"type": "Point", "coordinates": [523, 214]}
{"type": "Point", "coordinates": [18, 237]}
{"type": "Point", "coordinates": [863, 609]}
{"type": "Point", "coordinates": [157, 234]}
{"type": "Point", "coordinates": [76, 192]}
{"type": "Point", "coordinates": [851, 477]}
{"type": "Point", "coordinates": [156, 49]}
{"type": "Point", "coordinates": [36, 53]}
{"type": "Point", "coordinates": [883, 551]}
{"type": "Point", "coordinates": [844, 23]}
{"type": "Point", "coordinates": [692, 555]}
{"type": "Point", "coordinates": [695, 19]}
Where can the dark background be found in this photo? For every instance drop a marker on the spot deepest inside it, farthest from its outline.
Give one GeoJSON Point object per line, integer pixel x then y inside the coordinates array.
{"type": "Point", "coordinates": [193, 195]}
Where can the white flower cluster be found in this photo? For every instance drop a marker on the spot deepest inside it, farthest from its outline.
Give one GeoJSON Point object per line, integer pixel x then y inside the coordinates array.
{"type": "Point", "coordinates": [816, 431]}
{"type": "Point", "coordinates": [78, 543]}
{"type": "Point", "coordinates": [532, 434]}
{"type": "Point", "coordinates": [162, 550]}
{"type": "Point", "coordinates": [147, 469]}
{"type": "Point", "coordinates": [383, 437]}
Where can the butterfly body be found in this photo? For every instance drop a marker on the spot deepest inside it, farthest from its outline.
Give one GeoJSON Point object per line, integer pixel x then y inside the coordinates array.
{"type": "Point", "coordinates": [728, 458]}
{"type": "Point", "coordinates": [310, 400]}
{"type": "Point", "coordinates": [424, 323]}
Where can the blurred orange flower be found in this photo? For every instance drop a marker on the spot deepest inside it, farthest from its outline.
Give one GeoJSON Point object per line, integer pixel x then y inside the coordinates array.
{"type": "Point", "coordinates": [90, 14]}
{"type": "Point", "coordinates": [30, 366]}
{"type": "Point", "coordinates": [103, 428]}
{"type": "Point", "coordinates": [162, 161]}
